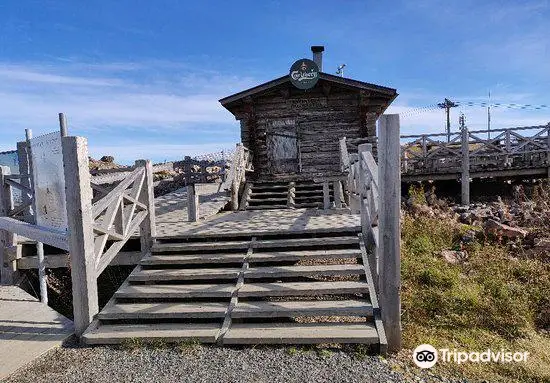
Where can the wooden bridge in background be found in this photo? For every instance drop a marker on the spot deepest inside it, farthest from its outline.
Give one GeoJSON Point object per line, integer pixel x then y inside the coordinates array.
{"type": "Point", "coordinates": [465, 155]}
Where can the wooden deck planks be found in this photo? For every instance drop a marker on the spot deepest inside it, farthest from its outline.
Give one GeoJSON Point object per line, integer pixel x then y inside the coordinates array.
{"type": "Point", "coordinates": [28, 328]}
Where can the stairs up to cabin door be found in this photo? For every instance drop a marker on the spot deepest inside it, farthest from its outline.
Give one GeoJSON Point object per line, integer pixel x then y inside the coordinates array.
{"type": "Point", "coordinates": [283, 195]}
{"type": "Point", "coordinates": [273, 289]}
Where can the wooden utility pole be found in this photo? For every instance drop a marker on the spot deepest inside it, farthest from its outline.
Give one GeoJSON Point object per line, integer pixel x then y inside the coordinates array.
{"type": "Point", "coordinates": [447, 105]}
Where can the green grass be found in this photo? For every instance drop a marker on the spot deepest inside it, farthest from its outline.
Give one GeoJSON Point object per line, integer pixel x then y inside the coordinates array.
{"type": "Point", "coordinates": [496, 299]}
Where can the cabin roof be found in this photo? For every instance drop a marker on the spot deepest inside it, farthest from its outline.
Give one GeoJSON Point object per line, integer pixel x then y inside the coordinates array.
{"type": "Point", "coordinates": [359, 85]}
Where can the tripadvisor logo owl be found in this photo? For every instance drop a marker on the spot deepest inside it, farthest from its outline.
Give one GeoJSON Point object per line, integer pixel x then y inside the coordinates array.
{"type": "Point", "coordinates": [425, 356]}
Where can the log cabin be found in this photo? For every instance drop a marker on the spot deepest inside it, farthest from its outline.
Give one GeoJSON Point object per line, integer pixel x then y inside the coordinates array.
{"type": "Point", "coordinates": [293, 133]}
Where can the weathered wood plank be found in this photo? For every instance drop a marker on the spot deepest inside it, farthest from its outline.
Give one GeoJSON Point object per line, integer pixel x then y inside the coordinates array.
{"type": "Point", "coordinates": [278, 289]}
{"type": "Point", "coordinates": [301, 333]}
{"type": "Point", "coordinates": [303, 271]}
{"type": "Point", "coordinates": [260, 309]}
{"type": "Point", "coordinates": [127, 291]}
{"type": "Point", "coordinates": [81, 238]}
{"type": "Point", "coordinates": [42, 234]}
{"type": "Point", "coordinates": [390, 230]}
{"type": "Point", "coordinates": [149, 275]}
{"type": "Point", "coordinates": [159, 310]}
{"type": "Point", "coordinates": [168, 332]}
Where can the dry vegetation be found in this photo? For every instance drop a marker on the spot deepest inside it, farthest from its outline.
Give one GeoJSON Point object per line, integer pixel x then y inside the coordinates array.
{"type": "Point", "coordinates": [497, 298]}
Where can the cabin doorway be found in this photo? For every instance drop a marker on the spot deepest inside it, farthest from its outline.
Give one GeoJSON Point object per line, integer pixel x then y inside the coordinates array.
{"type": "Point", "coordinates": [283, 147]}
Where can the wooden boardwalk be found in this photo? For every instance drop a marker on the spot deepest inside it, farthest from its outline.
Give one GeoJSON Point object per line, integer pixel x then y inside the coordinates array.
{"type": "Point", "coordinates": [257, 222]}
{"type": "Point", "coordinates": [28, 328]}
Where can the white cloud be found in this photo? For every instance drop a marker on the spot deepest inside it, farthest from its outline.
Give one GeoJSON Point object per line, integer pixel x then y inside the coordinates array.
{"type": "Point", "coordinates": [107, 96]}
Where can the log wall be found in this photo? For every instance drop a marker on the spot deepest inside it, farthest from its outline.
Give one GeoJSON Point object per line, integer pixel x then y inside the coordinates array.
{"type": "Point", "coordinates": [318, 118]}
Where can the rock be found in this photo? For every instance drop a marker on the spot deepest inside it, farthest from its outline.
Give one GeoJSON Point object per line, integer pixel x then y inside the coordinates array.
{"type": "Point", "coordinates": [466, 218]}
{"type": "Point", "coordinates": [453, 256]}
{"type": "Point", "coordinates": [501, 230]}
{"type": "Point", "coordinates": [461, 209]}
{"type": "Point", "coordinates": [468, 237]}
{"type": "Point", "coordinates": [423, 210]}
{"type": "Point", "coordinates": [542, 243]}
{"type": "Point", "coordinates": [108, 159]}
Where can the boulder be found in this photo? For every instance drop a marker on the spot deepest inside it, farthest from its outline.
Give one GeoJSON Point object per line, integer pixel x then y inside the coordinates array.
{"type": "Point", "coordinates": [453, 256]}
{"type": "Point", "coordinates": [466, 218]}
{"type": "Point", "coordinates": [501, 230]}
{"type": "Point", "coordinates": [108, 159]}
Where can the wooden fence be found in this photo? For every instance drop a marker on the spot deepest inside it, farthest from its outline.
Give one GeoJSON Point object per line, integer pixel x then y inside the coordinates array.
{"type": "Point", "coordinates": [101, 219]}
{"type": "Point", "coordinates": [468, 154]}
{"type": "Point", "coordinates": [374, 191]}
{"type": "Point", "coordinates": [236, 179]}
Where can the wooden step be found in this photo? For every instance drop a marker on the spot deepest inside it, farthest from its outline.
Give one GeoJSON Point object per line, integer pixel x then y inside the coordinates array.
{"type": "Point", "coordinates": [151, 275]}
{"type": "Point", "coordinates": [168, 332]}
{"type": "Point", "coordinates": [299, 242]}
{"type": "Point", "coordinates": [298, 255]}
{"type": "Point", "coordinates": [223, 258]}
{"type": "Point", "coordinates": [192, 259]}
{"type": "Point", "coordinates": [268, 194]}
{"type": "Point", "coordinates": [239, 245]}
{"type": "Point", "coordinates": [193, 246]}
{"type": "Point", "coordinates": [265, 200]}
{"type": "Point", "coordinates": [301, 333]}
{"type": "Point", "coordinates": [257, 187]}
{"type": "Point", "coordinates": [171, 310]}
{"type": "Point", "coordinates": [266, 207]}
{"type": "Point", "coordinates": [259, 309]}
{"type": "Point", "coordinates": [128, 291]}
{"type": "Point", "coordinates": [303, 271]}
{"type": "Point", "coordinates": [282, 289]}
{"type": "Point", "coordinates": [308, 205]}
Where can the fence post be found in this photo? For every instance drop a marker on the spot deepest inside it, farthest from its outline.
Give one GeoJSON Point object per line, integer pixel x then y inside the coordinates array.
{"type": "Point", "coordinates": [8, 267]}
{"type": "Point", "coordinates": [147, 228]}
{"type": "Point", "coordinates": [337, 187]}
{"type": "Point", "coordinates": [326, 196]}
{"type": "Point", "coordinates": [23, 158]}
{"type": "Point", "coordinates": [465, 177]}
{"type": "Point", "coordinates": [389, 228]}
{"type": "Point", "coordinates": [192, 203]}
{"type": "Point", "coordinates": [80, 236]}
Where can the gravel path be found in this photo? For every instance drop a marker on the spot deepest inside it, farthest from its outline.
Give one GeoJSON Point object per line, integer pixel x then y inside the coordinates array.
{"type": "Point", "coordinates": [196, 363]}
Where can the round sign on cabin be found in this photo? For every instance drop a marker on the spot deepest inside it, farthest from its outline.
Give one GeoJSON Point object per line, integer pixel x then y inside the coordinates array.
{"type": "Point", "coordinates": [304, 74]}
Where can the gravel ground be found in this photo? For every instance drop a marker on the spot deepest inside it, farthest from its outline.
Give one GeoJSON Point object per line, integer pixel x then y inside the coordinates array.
{"type": "Point", "coordinates": [196, 363]}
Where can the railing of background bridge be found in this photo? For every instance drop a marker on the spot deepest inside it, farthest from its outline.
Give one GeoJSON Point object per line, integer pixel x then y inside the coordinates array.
{"type": "Point", "coordinates": [523, 147]}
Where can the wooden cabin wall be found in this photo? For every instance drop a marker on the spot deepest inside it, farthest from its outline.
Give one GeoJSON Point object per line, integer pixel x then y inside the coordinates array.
{"type": "Point", "coordinates": [320, 119]}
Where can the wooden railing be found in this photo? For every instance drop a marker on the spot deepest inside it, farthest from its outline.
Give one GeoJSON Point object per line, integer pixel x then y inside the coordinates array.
{"type": "Point", "coordinates": [375, 193]}
{"type": "Point", "coordinates": [100, 225]}
{"type": "Point", "coordinates": [241, 163]}
{"type": "Point", "coordinates": [118, 213]}
{"type": "Point", "coordinates": [507, 149]}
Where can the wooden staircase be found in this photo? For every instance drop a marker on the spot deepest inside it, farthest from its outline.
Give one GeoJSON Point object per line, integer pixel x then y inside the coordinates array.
{"type": "Point", "coordinates": [282, 195]}
{"type": "Point", "coordinates": [291, 289]}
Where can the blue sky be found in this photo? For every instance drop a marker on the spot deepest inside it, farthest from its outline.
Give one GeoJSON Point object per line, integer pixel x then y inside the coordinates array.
{"type": "Point", "coordinates": [141, 79]}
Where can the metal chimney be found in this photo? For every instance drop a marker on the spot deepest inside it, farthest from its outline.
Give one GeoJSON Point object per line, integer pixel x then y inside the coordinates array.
{"type": "Point", "coordinates": [318, 55]}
